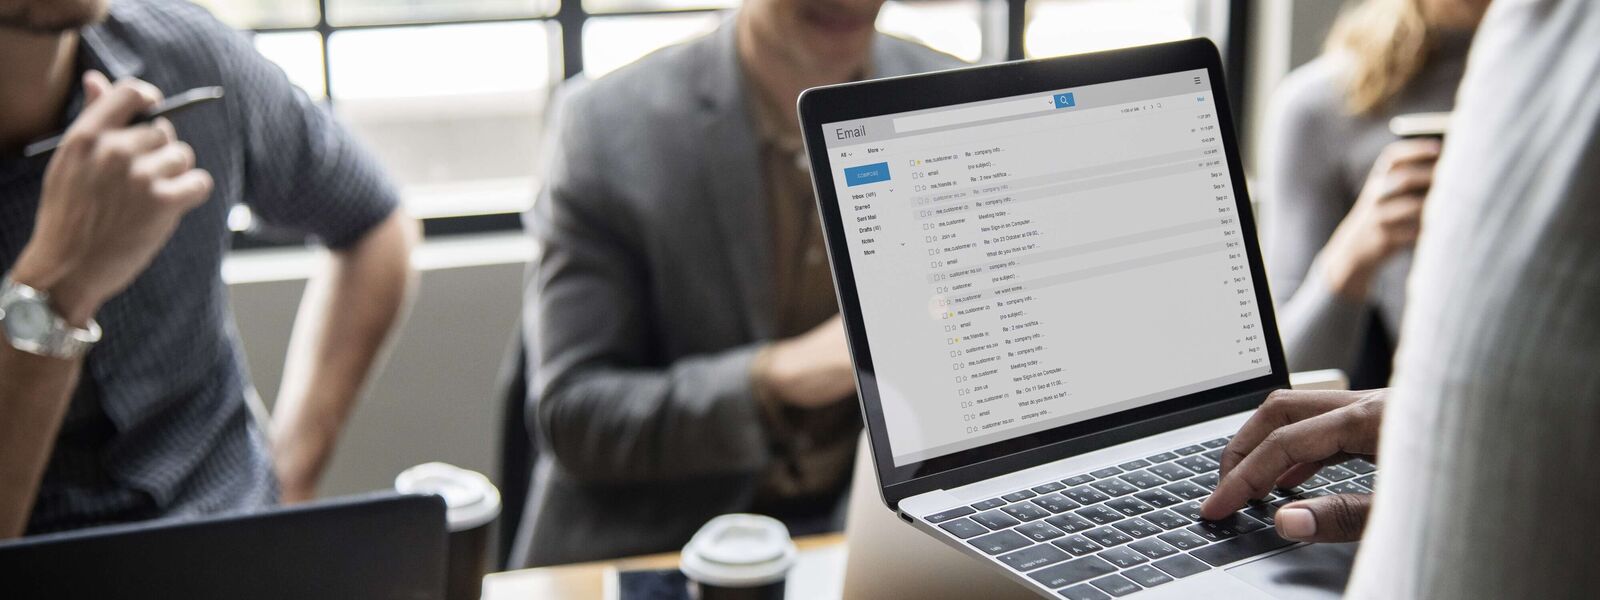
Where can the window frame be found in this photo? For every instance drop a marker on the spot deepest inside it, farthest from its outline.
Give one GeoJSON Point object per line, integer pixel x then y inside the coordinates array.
{"type": "Point", "coordinates": [1007, 18]}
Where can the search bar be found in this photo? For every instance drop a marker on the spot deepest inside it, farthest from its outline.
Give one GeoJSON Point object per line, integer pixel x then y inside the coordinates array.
{"type": "Point", "coordinates": [985, 112]}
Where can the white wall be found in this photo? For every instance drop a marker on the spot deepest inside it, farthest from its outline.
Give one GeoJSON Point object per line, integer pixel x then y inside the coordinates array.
{"type": "Point", "coordinates": [1284, 34]}
{"type": "Point", "coordinates": [438, 398]}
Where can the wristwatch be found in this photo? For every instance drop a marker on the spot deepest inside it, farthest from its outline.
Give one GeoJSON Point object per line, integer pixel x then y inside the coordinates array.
{"type": "Point", "coordinates": [30, 325]}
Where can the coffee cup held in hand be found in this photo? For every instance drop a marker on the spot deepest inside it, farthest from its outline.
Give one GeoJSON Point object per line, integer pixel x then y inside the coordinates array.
{"type": "Point", "coordinates": [739, 557]}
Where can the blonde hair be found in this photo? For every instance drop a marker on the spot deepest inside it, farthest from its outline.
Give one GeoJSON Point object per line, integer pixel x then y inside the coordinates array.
{"type": "Point", "coordinates": [1387, 42]}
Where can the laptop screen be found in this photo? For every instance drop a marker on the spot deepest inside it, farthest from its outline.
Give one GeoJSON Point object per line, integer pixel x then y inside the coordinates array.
{"type": "Point", "coordinates": [1029, 262]}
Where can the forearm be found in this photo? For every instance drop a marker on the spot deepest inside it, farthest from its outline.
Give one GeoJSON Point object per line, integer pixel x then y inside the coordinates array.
{"type": "Point", "coordinates": [345, 320]}
{"type": "Point", "coordinates": [1321, 329]}
{"type": "Point", "coordinates": [34, 393]}
{"type": "Point", "coordinates": [696, 417]}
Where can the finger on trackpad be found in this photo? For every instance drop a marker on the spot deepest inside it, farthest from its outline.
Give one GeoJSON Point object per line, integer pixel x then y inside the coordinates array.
{"type": "Point", "coordinates": [1310, 572]}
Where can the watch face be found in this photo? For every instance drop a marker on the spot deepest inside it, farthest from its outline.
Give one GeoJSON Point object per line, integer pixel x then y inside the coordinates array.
{"type": "Point", "coordinates": [27, 320]}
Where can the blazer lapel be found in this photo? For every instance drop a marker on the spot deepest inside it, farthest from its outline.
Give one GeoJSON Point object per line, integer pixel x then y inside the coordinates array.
{"type": "Point", "coordinates": [732, 170]}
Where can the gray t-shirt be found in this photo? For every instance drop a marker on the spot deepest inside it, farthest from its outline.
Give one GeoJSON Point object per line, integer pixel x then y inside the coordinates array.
{"type": "Point", "coordinates": [159, 426]}
{"type": "Point", "coordinates": [1316, 159]}
{"type": "Point", "coordinates": [1491, 441]}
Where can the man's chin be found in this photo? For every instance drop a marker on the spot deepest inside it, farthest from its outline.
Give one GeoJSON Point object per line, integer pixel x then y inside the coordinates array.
{"type": "Point", "coordinates": [52, 17]}
{"type": "Point", "coordinates": [833, 49]}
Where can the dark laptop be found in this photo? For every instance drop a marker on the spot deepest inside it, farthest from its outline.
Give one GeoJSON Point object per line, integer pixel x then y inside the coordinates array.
{"type": "Point", "coordinates": [375, 546]}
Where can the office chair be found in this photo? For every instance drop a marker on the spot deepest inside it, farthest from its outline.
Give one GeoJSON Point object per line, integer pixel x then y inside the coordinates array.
{"type": "Point", "coordinates": [518, 452]}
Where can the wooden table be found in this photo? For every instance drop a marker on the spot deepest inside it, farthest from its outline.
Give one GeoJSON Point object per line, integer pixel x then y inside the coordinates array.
{"type": "Point", "coordinates": [818, 573]}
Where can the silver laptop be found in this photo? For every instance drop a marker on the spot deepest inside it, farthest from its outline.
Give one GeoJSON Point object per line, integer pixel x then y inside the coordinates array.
{"type": "Point", "coordinates": [1054, 298]}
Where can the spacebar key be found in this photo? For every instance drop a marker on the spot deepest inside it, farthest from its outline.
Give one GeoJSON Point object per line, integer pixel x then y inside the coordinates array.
{"type": "Point", "coordinates": [1242, 547]}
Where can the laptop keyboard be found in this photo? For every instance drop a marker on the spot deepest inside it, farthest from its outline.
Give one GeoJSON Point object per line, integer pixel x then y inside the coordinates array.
{"type": "Point", "coordinates": [1117, 530]}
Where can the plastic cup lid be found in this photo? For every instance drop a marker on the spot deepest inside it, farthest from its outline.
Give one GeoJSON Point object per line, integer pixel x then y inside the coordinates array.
{"type": "Point", "coordinates": [470, 499]}
{"type": "Point", "coordinates": [1436, 123]}
{"type": "Point", "coordinates": [739, 550]}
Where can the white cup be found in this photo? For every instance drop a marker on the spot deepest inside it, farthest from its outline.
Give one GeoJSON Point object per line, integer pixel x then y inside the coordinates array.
{"type": "Point", "coordinates": [739, 557]}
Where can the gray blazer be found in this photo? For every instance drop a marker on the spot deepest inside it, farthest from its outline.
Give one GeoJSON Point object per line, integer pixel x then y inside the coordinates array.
{"type": "Point", "coordinates": [650, 298]}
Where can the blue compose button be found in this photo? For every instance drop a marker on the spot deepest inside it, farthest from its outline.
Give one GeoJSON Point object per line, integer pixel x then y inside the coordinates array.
{"type": "Point", "coordinates": [1065, 100]}
{"type": "Point", "coordinates": [866, 174]}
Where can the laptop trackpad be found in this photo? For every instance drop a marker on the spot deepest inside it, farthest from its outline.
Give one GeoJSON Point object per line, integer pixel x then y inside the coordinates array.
{"type": "Point", "coordinates": [1314, 572]}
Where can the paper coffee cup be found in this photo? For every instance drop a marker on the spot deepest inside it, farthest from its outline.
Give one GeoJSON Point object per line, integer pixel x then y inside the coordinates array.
{"type": "Point", "coordinates": [1418, 125]}
{"type": "Point", "coordinates": [471, 505]}
{"type": "Point", "coordinates": [739, 557]}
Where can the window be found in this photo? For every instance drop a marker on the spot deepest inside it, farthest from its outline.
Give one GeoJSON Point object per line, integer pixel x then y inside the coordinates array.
{"type": "Point", "coordinates": [451, 94]}
{"type": "Point", "coordinates": [611, 42]}
{"type": "Point", "coordinates": [454, 111]}
{"type": "Point", "coordinates": [950, 26]}
{"type": "Point", "coordinates": [1062, 27]}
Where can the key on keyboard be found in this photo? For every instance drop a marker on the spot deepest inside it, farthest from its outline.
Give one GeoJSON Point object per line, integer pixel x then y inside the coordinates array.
{"type": "Point", "coordinates": [994, 519]}
{"type": "Point", "coordinates": [1071, 572]}
{"type": "Point", "coordinates": [1137, 528]}
{"type": "Point", "coordinates": [1167, 519]}
{"type": "Point", "coordinates": [1153, 548]}
{"type": "Point", "coordinates": [1086, 495]}
{"type": "Point", "coordinates": [1055, 503]}
{"type": "Point", "coordinates": [1123, 557]}
{"type": "Point", "coordinates": [1032, 558]}
{"type": "Point", "coordinates": [1129, 506]}
{"type": "Point", "coordinates": [1185, 490]}
{"type": "Point", "coordinates": [1114, 487]}
{"type": "Point", "coordinates": [1070, 523]}
{"type": "Point", "coordinates": [1336, 473]}
{"type": "Point", "coordinates": [1099, 514]}
{"type": "Point", "coordinates": [1084, 592]}
{"type": "Point", "coordinates": [1188, 510]}
{"type": "Point", "coordinates": [1077, 545]}
{"type": "Point", "coordinates": [1039, 531]}
{"type": "Point", "coordinates": [1158, 498]}
{"type": "Point", "coordinates": [1018, 496]}
{"type": "Point", "coordinates": [1048, 487]}
{"type": "Point", "coordinates": [963, 528]}
{"type": "Point", "coordinates": [1000, 541]}
{"type": "Point", "coordinates": [1078, 480]}
{"type": "Point", "coordinates": [1162, 457]}
{"type": "Point", "coordinates": [990, 503]}
{"type": "Point", "coordinates": [1116, 585]}
{"type": "Point", "coordinates": [1181, 539]}
{"type": "Point", "coordinates": [1347, 487]}
{"type": "Point", "coordinates": [959, 511]}
{"type": "Point", "coordinates": [1143, 480]}
{"type": "Point", "coordinates": [1026, 511]}
{"type": "Point", "coordinates": [1107, 536]}
{"type": "Point", "coordinates": [1172, 472]}
{"type": "Point", "coordinates": [1359, 465]}
{"type": "Point", "coordinates": [1147, 576]}
{"type": "Point", "coordinates": [1198, 464]}
{"type": "Point", "coordinates": [1180, 566]}
{"type": "Point", "coordinates": [1133, 465]}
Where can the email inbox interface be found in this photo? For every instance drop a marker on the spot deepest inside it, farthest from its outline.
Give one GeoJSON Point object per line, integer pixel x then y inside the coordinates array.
{"type": "Point", "coordinates": [1027, 264]}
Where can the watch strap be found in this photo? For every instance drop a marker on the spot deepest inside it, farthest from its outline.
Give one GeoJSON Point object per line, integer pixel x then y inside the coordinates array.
{"type": "Point", "coordinates": [60, 340]}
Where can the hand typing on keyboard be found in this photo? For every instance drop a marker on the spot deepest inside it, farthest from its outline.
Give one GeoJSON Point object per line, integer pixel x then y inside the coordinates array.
{"type": "Point", "coordinates": [1286, 443]}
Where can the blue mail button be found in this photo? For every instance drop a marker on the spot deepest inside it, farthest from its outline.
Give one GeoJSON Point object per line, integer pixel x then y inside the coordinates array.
{"type": "Point", "coordinates": [866, 174]}
{"type": "Point", "coordinates": [1065, 100]}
